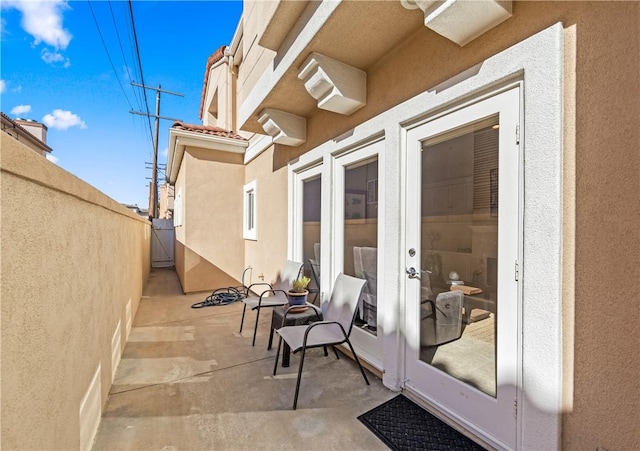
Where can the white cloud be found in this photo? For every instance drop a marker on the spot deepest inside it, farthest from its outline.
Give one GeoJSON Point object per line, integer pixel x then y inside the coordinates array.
{"type": "Point", "coordinates": [165, 152]}
{"type": "Point", "coordinates": [54, 57]}
{"type": "Point", "coordinates": [62, 120]}
{"type": "Point", "coordinates": [53, 158]}
{"type": "Point", "coordinates": [3, 86]}
{"type": "Point", "coordinates": [42, 19]}
{"type": "Point", "coordinates": [51, 57]}
{"type": "Point", "coordinates": [21, 109]}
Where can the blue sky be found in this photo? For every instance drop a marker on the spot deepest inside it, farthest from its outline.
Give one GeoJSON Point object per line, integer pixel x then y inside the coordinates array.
{"type": "Point", "coordinates": [55, 70]}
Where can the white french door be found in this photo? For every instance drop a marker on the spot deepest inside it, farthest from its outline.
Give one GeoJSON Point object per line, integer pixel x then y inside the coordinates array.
{"type": "Point", "coordinates": [463, 240]}
{"type": "Point", "coordinates": [306, 203]}
{"type": "Point", "coordinates": [357, 226]}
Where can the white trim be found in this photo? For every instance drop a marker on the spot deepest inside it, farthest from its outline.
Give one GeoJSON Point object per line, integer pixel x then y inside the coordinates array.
{"type": "Point", "coordinates": [250, 211]}
{"type": "Point", "coordinates": [537, 62]}
{"type": "Point", "coordinates": [180, 139]}
{"type": "Point", "coordinates": [178, 209]}
{"type": "Point", "coordinates": [285, 128]}
{"type": "Point", "coordinates": [371, 347]}
{"type": "Point", "coordinates": [256, 147]}
{"type": "Point", "coordinates": [337, 86]}
{"type": "Point", "coordinates": [271, 77]}
{"type": "Point", "coordinates": [496, 424]}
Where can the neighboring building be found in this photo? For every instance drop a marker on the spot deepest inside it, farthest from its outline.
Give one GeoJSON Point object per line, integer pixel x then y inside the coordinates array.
{"type": "Point", "coordinates": [205, 166]}
{"type": "Point", "coordinates": [31, 133]}
{"type": "Point", "coordinates": [414, 143]}
{"type": "Point", "coordinates": [137, 210]}
{"type": "Point", "coordinates": [166, 201]}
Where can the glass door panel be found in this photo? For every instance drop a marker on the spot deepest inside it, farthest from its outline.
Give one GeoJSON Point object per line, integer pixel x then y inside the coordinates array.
{"type": "Point", "coordinates": [311, 214]}
{"type": "Point", "coordinates": [463, 237]}
{"type": "Point", "coordinates": [459, 248]}
{"type": "Point", "coordinates": [361, 236]}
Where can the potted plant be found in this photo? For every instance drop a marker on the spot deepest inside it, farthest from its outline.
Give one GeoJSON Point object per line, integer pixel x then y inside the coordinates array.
{"type": "Point", "coordinates": [298, 292]}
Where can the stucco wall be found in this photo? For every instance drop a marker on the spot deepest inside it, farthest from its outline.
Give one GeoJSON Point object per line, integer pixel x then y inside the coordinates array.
{"type": "Point", "coordinates": [74, 264]}
{"type": "Point", "coordinates": [255, 59]}
{"type": "Point", "coordinates": [602, 171]}
{"type": "Point", "coordinates": [601, 189]}
{"type": "Point", "coordinates": [209, 244]}
{"type": "Point", "coordinates": [268, 254]}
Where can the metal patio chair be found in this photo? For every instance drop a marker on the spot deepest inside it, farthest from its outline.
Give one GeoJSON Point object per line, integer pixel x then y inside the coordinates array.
{"type": "Point", "coordinates": [441, 320]}
{"type": "Point", "coordinates": [273, 296]}
{"type": "Point", "coordinates": [333, 330]}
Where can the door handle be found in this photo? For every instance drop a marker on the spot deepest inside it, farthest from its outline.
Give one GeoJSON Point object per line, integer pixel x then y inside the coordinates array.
{"type": "Point", "coordinates": [413, 274]}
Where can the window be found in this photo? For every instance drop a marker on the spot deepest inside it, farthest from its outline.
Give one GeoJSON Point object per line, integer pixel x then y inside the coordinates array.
{"type": "Point", "coordinates": [250, 218]}
{"type": "Point", "coordinates": [177, 209]}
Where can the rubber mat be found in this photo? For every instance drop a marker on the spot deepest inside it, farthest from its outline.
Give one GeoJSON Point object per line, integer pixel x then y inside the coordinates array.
{"type": "Point", "coordinates": [403, 425]}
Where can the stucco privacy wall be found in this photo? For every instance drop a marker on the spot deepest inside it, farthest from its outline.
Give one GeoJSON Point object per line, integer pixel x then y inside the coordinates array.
{"type": "Point", "coordinates": [209, 244]}
{"type": "Point", "coordinates": [74, 264]}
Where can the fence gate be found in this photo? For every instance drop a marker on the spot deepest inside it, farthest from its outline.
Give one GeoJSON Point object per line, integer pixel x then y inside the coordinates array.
{"type": "Point", "coordinates": [162, 241]}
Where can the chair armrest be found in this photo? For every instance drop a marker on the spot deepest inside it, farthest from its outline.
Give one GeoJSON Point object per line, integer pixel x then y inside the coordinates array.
{"type": "Point", "coordinates": [317, 311]}
{"type": "Point", "coordinates": [432, 304]}
{"type": "Point", "coordinates": [268, 291]}
{"type": "Point", "coordinates": [259, 284]}
{"type": "Point", "coordinates": [321, 323]}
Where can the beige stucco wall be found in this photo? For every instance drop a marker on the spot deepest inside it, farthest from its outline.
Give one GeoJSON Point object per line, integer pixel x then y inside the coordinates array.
{"type": "Point", "coordinates": [268, 254]}
{"type": "Point", "coordinates": [601, 189]}
{"type": "Point", "coordinates": [219, 97]}
{"type": "Point", "coordinates": [74, 264]}
{"type": "Point", "coordinates": [209, 245]}
{"type": "Point", "coordinates": [255, 59]}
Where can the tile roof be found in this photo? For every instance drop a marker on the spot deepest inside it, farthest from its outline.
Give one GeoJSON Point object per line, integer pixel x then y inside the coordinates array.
{"type": "Point", "coordinates": [213, 58]}
{"type": "Point", "coordinates": [14, 124]}
{"type": "Point", "coordinates": [207, 130]}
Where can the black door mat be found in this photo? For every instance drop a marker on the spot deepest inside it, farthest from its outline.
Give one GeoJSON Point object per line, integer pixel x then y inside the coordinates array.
{"type": "Point", "coordinates": [403, 425]}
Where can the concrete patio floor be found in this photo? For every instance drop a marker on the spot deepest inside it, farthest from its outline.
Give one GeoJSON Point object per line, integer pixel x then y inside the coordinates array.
{"type": "Point", "coordinates": [189, 381]}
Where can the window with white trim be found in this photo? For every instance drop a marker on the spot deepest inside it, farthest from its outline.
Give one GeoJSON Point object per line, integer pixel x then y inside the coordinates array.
{"type": "Point", "coordinates": [250, 212]}
{"type": "Point", "coordinates": [177, 209]}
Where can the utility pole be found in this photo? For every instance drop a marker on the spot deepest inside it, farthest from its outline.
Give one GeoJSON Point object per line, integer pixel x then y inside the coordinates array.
{"type": "Point", "coordinates": [153, 197]}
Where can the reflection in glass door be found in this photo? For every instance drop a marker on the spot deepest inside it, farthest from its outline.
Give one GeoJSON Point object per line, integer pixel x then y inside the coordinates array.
{"type": "Point", "coordinates": [459, 230]}
{"type": "Point", "coordinates": [462, 248]}
{"type": "Point", "coordinates": [311, 213]}
{"type": "Point", "coordinates": [361, 236]}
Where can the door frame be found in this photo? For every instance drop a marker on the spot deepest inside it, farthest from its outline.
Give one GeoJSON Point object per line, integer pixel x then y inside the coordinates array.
{"type": "Point", "coordinates": [538, 62]}
{"type": "Point", "coordinates": [370, 347]}
{"type": "Point", "coordinates": [470, 406]}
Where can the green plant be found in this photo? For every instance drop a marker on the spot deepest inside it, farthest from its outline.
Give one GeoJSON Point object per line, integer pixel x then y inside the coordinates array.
{"type": "Point", "coordinates": [300, 284]}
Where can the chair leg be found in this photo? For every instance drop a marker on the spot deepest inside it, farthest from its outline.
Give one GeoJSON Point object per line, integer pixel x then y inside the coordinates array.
{"type": "Point", "coordinates": [242, 320]}
{"type": "Point", "coordinates": [255, 329]}
{"type": "Point", "coordinates": [335, 351]}
{"type": "Point", "coordinates": [295, 399]}
{"type": "Point", "coordinates": [355, 357]}
{"type": "Point", "coordinates": [275, 367]}
{"type": "Point", "coordinates": [270, 339]}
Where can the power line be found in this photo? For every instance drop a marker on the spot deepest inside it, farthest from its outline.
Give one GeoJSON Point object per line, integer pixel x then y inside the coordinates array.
{"type": "Point", "coordinates": [135, 39]}
{"type": "Point", "coordinates": [104, 44]}
{"type": "Point", "coordinates": [115, 26]}
{"type": "Point", "coordinates": [153, 198]}
{"type": "Point", "coordinates": [136, 95]}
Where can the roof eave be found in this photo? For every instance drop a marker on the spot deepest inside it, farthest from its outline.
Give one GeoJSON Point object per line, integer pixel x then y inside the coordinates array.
{"type": "Point", "coordinates": [180, 139]}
